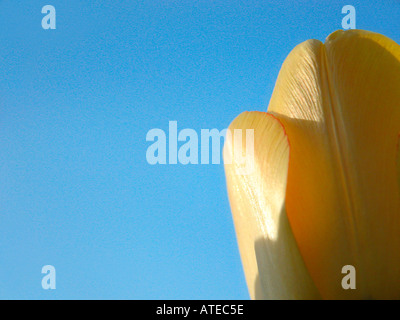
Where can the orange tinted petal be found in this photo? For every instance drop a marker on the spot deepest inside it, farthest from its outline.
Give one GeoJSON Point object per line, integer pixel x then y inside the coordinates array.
{"type": "Point", "coordinates": [339, 103]}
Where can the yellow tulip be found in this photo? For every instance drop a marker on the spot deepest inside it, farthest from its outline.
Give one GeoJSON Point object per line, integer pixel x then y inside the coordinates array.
{"type": "Point", "coordinates": [325, 189]}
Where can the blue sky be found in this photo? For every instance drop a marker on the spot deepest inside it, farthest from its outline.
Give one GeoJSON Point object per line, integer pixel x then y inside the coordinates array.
{"type": "Point", "coordinates": [76, 104]}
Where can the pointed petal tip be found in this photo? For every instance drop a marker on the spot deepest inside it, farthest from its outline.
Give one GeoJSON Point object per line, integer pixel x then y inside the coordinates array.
{"type": "Point", "coordinates": [348, 33]}
{"type": "Point", "coordinates": [344, 35]}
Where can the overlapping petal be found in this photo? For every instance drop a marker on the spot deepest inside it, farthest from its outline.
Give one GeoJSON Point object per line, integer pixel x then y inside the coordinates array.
{"type": "Point", "coordinates": [270, 256]}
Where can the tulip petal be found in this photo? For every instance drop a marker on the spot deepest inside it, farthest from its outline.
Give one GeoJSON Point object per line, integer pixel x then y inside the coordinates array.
{"type": "Point", "coordinates": [273, 266]}
{"type": "Point", "coordinates": [398, 161]}
{"type": "Point", "coordinates": [340, 106]}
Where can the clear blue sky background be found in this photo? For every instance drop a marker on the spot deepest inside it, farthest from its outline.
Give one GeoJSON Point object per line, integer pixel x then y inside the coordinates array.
{"type": "Point", "coordinates": [76, 103]}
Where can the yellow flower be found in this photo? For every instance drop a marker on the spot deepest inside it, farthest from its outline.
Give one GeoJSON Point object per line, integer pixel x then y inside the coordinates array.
{"type": "Point", "coordinates": [325, 189]}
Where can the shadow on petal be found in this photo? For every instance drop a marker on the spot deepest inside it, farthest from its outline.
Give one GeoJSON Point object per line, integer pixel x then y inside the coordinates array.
{"type": "Point", "coordinates": [281, 272]}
